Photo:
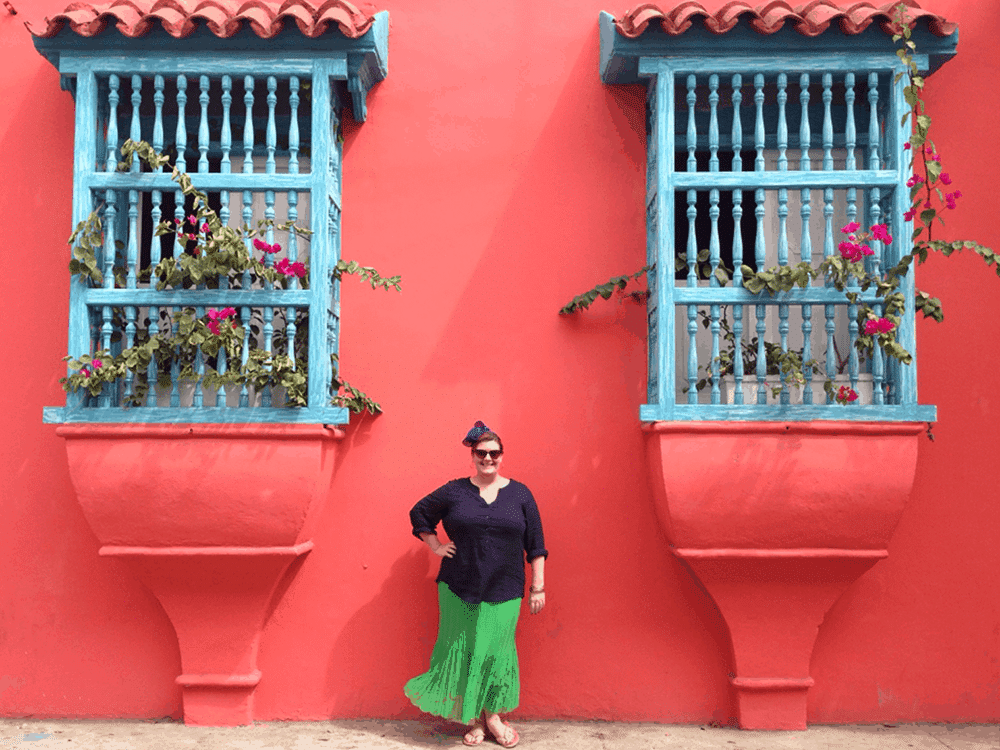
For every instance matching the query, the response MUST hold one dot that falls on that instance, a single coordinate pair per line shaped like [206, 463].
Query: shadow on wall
[381, 665]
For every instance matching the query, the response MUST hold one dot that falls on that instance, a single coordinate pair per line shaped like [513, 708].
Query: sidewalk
[43, 734]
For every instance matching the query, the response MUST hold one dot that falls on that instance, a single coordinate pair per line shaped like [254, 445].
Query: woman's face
[487, 457]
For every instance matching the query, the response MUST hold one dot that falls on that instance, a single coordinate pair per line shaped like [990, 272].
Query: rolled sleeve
[534, 539]
[428, 512]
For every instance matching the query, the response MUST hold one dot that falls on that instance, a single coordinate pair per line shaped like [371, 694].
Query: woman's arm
[536, 599]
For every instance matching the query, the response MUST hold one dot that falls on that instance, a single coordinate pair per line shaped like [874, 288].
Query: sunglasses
[483, 454]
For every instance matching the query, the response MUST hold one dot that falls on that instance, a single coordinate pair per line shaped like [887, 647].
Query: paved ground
[41, 734]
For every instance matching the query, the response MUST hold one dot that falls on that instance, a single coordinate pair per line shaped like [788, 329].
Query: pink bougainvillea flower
[290, 269]
[882, 325]
[265, 247]
[854, 251]
[881, 232]
[906, 146]
[213, 326]
[85, 372]
[936, 157]
[849, 250]
[914, 180]
[846, 394]
[193, 219]
[192, 236]
[908, 216]
[205, 227]
[96, 363]
[851, 228]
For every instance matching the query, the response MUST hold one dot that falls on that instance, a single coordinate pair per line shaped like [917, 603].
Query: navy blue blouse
[491, 539]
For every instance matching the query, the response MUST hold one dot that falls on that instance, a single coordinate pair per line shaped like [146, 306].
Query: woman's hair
[486, 436]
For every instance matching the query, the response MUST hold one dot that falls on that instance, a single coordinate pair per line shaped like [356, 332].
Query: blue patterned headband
[478, 430]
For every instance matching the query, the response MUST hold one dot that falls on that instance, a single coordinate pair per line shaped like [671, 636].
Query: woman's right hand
[445, 550]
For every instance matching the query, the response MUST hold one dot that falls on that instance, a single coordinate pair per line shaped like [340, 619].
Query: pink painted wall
[500, 177]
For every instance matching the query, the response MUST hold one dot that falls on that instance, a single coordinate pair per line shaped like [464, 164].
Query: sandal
[508, 743]
[475, 735]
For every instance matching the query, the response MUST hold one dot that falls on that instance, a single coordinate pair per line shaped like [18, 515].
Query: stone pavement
[372, 734]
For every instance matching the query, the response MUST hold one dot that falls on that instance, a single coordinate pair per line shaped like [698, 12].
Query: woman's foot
[475, 735]
[503, 733]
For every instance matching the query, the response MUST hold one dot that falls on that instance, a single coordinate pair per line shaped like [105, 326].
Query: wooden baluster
[875, 217]
[225, 167]
[692, 243]
[783, 216]
[692, 196]
[270, 143]
[737, 140]
[805, 243]
[850, 140]
[179, 216]
[226, 144]
[131, 251]
[293, 207]
[245, 313]
[760, 248]
[110, 220]
[714, 249]
[248, 142]
[829, 311]
[175, 370]
[156, 214]
[203, 85]
[198, 399]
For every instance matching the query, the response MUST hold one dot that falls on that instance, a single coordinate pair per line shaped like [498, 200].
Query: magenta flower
[945, 178]
[908, 216]
[882, 325]
[85, 372]
[192, 236]
[906, 146]
[846, 394]
[914, 180]
[850, 250]
[290, 269]
[217, 317]
[96, 362]
[266, 248]
[205, 227]
[193, 219]
[881, 232]
[851, 228]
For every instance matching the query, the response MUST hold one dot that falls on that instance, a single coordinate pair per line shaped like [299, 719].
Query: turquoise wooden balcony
[256, 124]
[760, 149]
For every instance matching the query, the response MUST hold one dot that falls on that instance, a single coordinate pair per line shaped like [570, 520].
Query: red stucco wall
[500, 177]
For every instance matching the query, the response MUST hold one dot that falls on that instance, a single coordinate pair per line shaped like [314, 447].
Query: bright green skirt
[474, 663]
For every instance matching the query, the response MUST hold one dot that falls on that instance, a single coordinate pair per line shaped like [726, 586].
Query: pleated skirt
[474, 662]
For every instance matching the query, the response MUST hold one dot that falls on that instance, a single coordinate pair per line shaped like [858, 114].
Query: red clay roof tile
[809, 19]
[223, 18]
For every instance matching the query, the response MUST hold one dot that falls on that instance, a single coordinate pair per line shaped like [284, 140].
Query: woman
[492, 523]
